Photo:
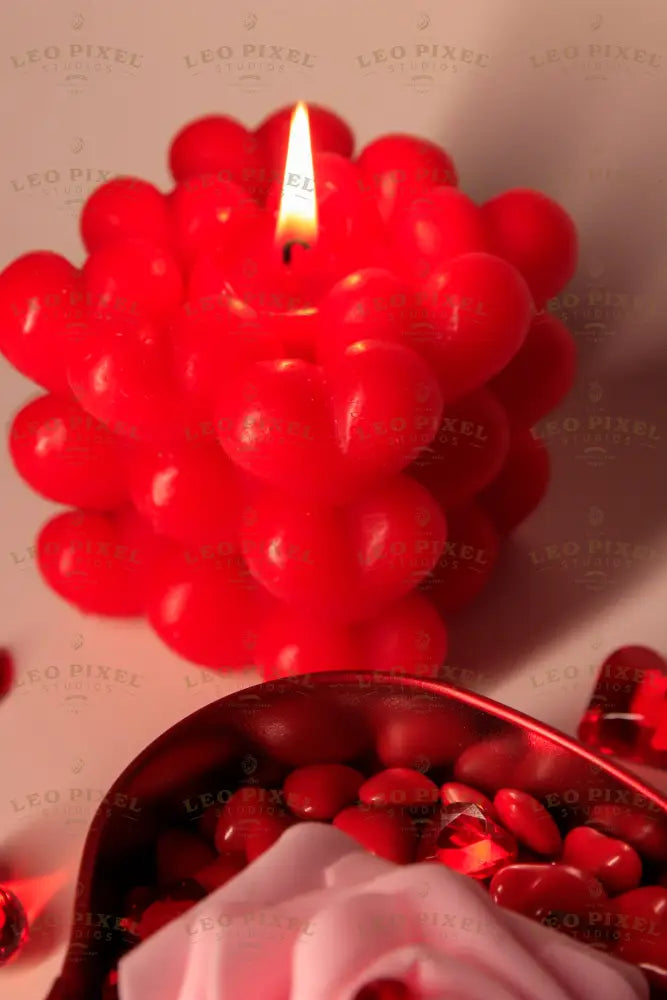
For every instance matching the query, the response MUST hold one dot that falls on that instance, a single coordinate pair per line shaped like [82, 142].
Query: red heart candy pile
[299, 462]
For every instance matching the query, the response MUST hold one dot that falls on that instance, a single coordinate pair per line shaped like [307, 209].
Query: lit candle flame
[297, 215]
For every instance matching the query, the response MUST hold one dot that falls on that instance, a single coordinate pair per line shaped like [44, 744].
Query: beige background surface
[567, 97]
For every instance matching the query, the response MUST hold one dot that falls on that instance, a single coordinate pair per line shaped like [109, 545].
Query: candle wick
[287, 249]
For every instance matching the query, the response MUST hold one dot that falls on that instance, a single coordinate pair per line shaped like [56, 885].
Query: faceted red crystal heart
[326, 434]
[465, 838]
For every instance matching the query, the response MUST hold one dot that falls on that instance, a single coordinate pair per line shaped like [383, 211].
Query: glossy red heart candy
[319, 791]
[388, 834]
[615, 863]
[327, 434]
[527, 819]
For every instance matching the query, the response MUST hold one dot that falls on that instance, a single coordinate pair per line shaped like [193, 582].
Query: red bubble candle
[289, 402]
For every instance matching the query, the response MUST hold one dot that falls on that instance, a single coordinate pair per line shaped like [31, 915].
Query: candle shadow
[583, 552]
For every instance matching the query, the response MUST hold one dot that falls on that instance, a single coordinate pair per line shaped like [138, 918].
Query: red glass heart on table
[627, 706]
[345, 562]
[326, 434]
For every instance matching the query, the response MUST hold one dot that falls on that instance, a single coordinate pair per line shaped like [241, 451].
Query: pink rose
[318, 918]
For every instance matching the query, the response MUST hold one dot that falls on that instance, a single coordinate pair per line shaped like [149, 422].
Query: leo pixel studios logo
[253, 63]
[76, 62]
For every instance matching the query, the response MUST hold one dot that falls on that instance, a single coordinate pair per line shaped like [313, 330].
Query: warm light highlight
[37, 892]
[297, 215]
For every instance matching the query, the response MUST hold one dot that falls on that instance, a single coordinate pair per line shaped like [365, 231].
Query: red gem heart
[326, 434]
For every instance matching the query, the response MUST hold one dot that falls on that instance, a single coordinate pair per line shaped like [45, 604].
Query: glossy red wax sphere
[537, 236]
[202, 607]
[126, 381]
[211, 340]
[189, 492]
[400, 168]
[328, 132]
[526, 818]
[124, 207]
[442, 223]
[291, 642]
[479, 308]
[615, 863]
[346, 563]
[327, 434]
[137, 271]
[540, 374]
[521, 483]
[468, 451]
[467, 561]
[385, 833]
[319, 791]
[399, 787]
[39, 294]
[98, 562]
[219, 145]
[206, 210]
[368, 304]
[67, 455]
[406, 637]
